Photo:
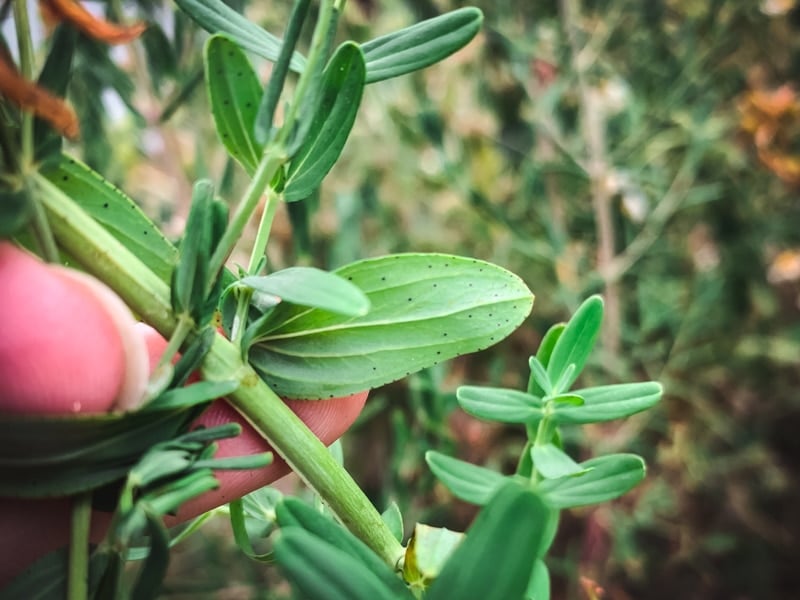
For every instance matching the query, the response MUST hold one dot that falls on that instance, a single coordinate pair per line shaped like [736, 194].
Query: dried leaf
[111, 33]
[29, 96]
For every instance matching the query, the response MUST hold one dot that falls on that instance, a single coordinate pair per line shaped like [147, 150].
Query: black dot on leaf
[410, 299]
[65, 178]
[383, 278]
[105, 204]
[444, 334]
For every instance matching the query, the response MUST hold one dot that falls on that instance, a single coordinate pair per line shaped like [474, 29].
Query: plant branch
[26, 58]
[105, 257]
[593, 126]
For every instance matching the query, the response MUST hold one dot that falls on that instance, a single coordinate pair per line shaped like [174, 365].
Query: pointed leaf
[552, 462]
[394, 520]
[426, 308]
[116, 212]
[313, 288]
[576, 342]
[427, 553]
[234, 93]
[539, 585]
[466, 481]
[499, 404]
[494, 561]
[342, 87]
[216, 17]
[543, 355]
[420, 45]
[608, 402]
[610, 477]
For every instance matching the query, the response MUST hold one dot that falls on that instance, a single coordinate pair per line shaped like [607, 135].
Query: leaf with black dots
[115, 211]
[425, 308]
[235, 94]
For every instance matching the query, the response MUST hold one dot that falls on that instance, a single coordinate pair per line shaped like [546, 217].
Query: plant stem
[105, 257]
[25, 44]
[184, 327]
[78, 582]
[264, 228]
[273, 159]
[593, 124]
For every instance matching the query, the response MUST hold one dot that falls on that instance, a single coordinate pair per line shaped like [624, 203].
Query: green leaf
[610, 477]
[234, 93]
[321, 571]
[552, 462]
[394, 520]
[466, 481]
[293, 513]
[311, 287]
[341, 92]
[543, 355]
[420, 45]
[216, 17]
[427, 553]
[608, 402]
[54, 76]
[576, 343]
[426, 308]
[499, 404]
[16, 210]
[116, 212]
[192, 395]
[495, 559]
[60, 456]
[539, 378]
[539, 585]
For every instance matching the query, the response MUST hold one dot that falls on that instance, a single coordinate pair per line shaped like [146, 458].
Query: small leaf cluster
[548, 403]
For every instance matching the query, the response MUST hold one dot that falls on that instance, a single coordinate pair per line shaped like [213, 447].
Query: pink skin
[67, 326]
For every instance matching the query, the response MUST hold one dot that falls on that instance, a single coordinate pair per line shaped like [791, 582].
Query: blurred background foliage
[645, 150]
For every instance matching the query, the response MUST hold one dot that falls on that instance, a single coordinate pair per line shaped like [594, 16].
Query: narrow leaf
[234, 93]
[427, 553]
[576, 342]
[552, 462]
[426, 308]
[216, 17]
[610, 477]
[499, 404]
[311, 287]
[341, 92]
[420, 45]
[539, 585]
[116, 212]
[495, 559]
[197, 393]
[543, 355]
[394, 520]
[608, 402]
[466, 481]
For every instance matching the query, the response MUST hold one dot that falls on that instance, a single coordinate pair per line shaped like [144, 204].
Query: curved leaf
[466, 481]
[575, 344]
[116, 212]
[608, 402]
[499, 404]
[342, 87]
[216, 17]
[234, 93]
[426, 308]
[420, 45]
[606, 477]
[311, 287]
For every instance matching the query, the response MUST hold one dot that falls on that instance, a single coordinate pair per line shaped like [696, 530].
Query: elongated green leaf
[608, 402]
[499, 404]
[216, 17]
[539, 585]
[116, 212]
[341, 92]
[321, 571]
[292, 512]
[426, 308]
[59, 456]
[54, 76]
[311, 287]
[197, 393]
[394, 520]
[495, 560]
[466, 481]
[576, 343]
[543, 355]
[553, 463]
[420, 45]
[234, 93]
[610, 477]
[427, 553]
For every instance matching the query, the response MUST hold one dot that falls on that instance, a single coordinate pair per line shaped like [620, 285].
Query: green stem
[41, 230]
[184, 327]
[264, 228]
[273, 159]
[26, 56]
[78, 582]
[105, 257]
